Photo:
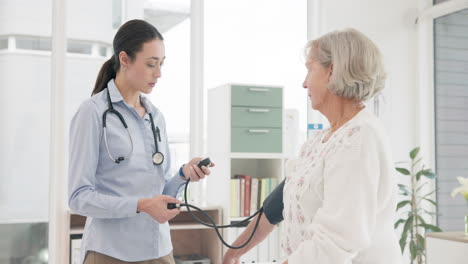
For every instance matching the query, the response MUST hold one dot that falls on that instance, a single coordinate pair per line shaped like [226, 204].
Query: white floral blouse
[340, 198]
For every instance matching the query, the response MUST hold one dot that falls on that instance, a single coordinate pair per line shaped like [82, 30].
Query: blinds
[451, 114]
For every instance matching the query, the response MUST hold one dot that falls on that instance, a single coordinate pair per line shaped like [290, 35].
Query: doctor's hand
[192, 171]
[156, 207]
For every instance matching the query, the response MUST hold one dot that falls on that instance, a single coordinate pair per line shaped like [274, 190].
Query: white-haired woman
[340, 194]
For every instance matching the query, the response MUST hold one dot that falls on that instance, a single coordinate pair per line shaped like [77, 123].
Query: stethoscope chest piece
[158, 158]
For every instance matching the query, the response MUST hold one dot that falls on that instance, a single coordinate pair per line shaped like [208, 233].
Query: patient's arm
[232, 256]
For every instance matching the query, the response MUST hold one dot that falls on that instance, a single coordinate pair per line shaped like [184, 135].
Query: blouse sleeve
[345, 223]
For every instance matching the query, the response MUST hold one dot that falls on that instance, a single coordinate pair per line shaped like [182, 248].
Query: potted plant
[412, 207]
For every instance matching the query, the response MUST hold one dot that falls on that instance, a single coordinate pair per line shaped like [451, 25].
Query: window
[451, 114]
[80, 47]
[33, 43]
[3, 43]
[103, 51]
[27, 243]
[439, 1]
[117, 16]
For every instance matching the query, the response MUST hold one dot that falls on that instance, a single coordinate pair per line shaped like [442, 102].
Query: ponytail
[106, 73]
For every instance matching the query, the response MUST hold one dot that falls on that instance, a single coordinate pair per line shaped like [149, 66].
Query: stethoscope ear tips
[119, 159]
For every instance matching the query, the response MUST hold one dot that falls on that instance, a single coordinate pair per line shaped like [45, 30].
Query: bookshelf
[188, 237]
[245, 137]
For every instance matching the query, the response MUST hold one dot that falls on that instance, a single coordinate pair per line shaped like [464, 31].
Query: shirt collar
[147, 105]
[114, 92]
[116, 96]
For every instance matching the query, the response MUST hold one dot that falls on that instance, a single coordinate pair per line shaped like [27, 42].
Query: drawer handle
[259, 131]
[259, 110]
[259, 89]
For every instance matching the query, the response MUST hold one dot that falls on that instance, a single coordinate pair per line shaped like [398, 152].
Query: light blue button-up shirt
[106, 192]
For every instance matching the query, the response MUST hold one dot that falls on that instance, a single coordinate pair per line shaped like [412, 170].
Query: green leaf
[414, 153]
[431, 201]
[402, 203]
[408, 225]
[429, 227]
[397, 223]
[427, 172]
[419, 188]
[429, 193]
[420, 242]
[417, 161]
[421, 219]
[430, 175]
[413, 250]
[403, 242]
[403, 171]
[430, 213]
[404, 190]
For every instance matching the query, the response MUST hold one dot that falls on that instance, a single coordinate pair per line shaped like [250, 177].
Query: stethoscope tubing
[213, 224]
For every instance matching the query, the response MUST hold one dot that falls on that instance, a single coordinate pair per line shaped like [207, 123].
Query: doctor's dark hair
[129, 38]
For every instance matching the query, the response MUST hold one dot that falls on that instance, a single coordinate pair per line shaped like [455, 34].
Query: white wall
[390, 24]
[86, 19]
[25, 111]
[26, 17]
[258, 42]
[24, 140]
[92, 20]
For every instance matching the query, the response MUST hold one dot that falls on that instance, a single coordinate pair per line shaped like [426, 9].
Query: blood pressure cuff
[273, 205]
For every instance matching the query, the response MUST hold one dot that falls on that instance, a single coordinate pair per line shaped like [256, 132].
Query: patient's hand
[230, 258]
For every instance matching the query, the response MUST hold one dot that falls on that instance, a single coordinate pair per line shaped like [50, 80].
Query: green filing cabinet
[256, 119]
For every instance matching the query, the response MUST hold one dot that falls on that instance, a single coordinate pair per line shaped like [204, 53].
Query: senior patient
[340, 194]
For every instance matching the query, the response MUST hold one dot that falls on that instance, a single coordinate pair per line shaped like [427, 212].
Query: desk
[447, 247]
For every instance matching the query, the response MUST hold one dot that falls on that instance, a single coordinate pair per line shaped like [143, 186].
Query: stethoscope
[158, 157]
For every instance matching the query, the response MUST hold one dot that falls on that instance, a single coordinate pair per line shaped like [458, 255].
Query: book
[245, 194]
[268, 187]
[242, 195]
[263, 193]
[253, 195]
[234, 198]
[273, 184]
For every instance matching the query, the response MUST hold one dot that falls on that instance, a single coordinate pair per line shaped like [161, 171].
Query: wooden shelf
[76, 230]
[188, 236]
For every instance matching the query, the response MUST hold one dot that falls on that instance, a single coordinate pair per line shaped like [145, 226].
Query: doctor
[119, 167]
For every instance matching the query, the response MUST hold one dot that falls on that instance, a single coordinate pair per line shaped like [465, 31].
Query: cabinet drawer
[256, 96]
[256, 139]
[256, 117]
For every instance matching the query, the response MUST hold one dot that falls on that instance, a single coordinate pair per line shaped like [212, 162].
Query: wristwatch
[181, 172]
